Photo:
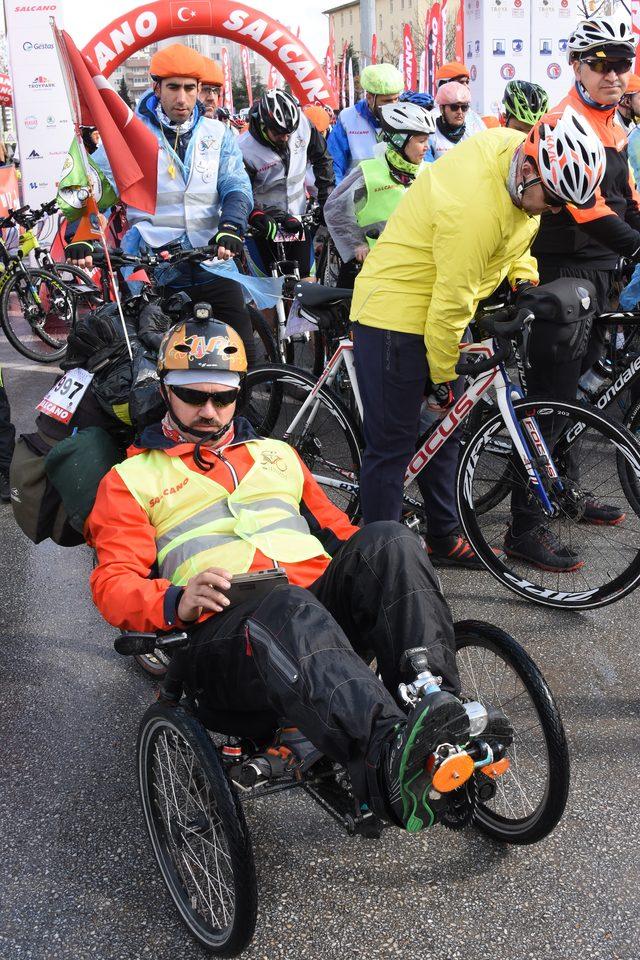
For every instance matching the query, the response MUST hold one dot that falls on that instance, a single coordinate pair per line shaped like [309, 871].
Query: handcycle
[197, 768]
[38, 305]
[603, 454]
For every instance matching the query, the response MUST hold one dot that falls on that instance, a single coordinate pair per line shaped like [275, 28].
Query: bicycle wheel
[197, 829]
[497, 483]
[37, 311]
[629, 477]
[326, 436]
[585, 455]
[155, 664]
[265, 344]
[531, 796]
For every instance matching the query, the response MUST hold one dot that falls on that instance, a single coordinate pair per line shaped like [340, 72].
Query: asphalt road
[78, 879]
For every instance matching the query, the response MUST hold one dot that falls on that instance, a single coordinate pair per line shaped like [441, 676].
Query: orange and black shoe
[454, 550]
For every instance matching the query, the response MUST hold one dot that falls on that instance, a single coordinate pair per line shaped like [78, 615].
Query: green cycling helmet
[382, 79]
[525, 101]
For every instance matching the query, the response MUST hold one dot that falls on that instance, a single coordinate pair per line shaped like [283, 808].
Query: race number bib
[63, 399]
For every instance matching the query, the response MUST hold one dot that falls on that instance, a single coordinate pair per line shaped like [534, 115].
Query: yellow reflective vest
[453, 238]
[199, 524]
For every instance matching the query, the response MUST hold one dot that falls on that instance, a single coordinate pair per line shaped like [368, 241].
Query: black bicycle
[198, 767]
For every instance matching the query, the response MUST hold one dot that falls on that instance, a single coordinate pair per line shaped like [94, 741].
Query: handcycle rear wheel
[531, 796]
[587, 454]
[197, 829]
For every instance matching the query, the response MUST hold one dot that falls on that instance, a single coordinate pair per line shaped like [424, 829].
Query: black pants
[393, 374]
[558, 381]
[7, 430]
[300, 652]
[227, 302]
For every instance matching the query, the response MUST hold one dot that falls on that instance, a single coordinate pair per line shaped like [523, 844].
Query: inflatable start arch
[220, 18]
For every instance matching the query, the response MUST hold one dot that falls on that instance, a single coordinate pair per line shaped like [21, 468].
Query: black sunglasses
[606, 66]
[459, 106]
[199, 398]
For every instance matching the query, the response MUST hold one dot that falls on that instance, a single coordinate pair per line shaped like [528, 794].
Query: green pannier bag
[36, 503]
[75, 467]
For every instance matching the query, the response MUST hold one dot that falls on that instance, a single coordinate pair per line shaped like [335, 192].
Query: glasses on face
[207, 91]
[199, 398]
[459, 106]
[606, 66]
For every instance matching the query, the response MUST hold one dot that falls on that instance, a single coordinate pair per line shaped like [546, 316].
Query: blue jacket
[338, 142]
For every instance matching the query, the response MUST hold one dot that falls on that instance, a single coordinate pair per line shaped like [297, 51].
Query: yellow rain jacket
[453, 238]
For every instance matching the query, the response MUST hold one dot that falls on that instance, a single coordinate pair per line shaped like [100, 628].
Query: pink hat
[452, 92]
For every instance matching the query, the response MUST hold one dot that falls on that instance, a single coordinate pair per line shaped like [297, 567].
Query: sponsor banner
[228, 86]
[409, 59]
[42, 114]
[374, 49]
[9, 193]
[160, 20]
[351, 84]
[246, 67]
[6, 93]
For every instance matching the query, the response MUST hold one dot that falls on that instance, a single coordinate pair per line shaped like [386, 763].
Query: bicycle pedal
[496, 769]
[452, 772]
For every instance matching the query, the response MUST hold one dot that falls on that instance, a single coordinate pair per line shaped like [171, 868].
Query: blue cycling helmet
[424, 100]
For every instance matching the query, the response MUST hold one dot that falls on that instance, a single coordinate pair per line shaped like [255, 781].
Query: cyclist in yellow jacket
[465, 225]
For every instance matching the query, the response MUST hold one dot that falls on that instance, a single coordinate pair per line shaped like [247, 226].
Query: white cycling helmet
[569, 156]
[279, 111]
[406, 117]
[601, 32]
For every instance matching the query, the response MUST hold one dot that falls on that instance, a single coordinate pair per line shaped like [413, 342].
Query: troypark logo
[41, 83]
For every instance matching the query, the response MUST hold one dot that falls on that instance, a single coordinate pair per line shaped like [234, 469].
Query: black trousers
[393, 375]
[558, 381]
[7, 430]
[298, 250]
[301, 653]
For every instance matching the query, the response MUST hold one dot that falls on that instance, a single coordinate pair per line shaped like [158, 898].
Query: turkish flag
[184, 16]
[131, 147]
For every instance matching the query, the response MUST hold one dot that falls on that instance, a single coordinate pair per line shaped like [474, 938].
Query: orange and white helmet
[569, 156]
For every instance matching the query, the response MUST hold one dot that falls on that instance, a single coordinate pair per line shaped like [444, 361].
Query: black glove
[78, 251]
[441, 397]
[520, 287]
[153, 323]
[290, 225]
[229, 236]
[263, 224]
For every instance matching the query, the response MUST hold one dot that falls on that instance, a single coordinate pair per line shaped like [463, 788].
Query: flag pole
[94, 216]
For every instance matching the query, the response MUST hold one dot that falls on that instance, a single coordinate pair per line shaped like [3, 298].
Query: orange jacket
[595, 236]
[123, 585]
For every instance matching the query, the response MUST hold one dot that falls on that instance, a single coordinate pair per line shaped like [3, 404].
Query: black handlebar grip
[468, 365]
[134, 644]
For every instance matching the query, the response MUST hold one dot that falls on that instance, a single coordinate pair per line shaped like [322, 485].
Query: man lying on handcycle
[201, 499]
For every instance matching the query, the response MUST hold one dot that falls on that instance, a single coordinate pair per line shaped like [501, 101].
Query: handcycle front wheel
[325, 435]
[197, 829]
[604, 558]
[531, 796]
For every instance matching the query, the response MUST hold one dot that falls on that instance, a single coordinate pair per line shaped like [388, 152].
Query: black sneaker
[541, 548]
[5, 487]
[454, 550]
[601, 514]
[438, 718]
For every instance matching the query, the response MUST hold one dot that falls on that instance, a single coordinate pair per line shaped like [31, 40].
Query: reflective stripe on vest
[199, 524]
[272, 187]
[382, 197]
[361, 135]
[192, 208]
